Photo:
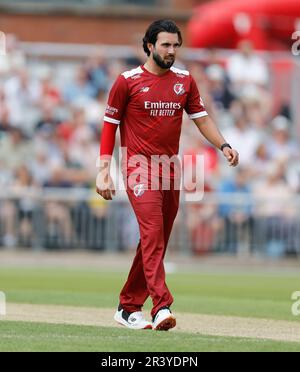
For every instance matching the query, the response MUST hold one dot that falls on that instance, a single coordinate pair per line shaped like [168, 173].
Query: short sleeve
[117, 101]
[194, 106]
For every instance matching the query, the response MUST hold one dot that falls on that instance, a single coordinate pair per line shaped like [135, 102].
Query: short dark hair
[162, 25]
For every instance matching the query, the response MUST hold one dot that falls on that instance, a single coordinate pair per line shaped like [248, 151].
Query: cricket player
[147, 104]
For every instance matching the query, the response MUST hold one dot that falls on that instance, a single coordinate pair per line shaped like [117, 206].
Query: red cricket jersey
[149, 110]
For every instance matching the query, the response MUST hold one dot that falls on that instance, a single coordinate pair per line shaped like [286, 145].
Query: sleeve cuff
[198, 115]
[110, 120]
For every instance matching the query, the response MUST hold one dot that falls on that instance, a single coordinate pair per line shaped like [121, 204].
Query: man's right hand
[104, 185]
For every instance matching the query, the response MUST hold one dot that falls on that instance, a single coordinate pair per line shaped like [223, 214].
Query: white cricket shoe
[163, 320]
[133, 320]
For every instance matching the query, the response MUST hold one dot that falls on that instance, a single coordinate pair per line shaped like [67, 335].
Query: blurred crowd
[51, 119]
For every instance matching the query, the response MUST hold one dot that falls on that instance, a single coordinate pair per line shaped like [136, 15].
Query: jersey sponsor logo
[139, 190]
[179, 89]
[162, 105]
[111, 110]
[161, 108]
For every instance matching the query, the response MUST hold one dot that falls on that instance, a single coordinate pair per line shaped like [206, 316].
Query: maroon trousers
[155, 211]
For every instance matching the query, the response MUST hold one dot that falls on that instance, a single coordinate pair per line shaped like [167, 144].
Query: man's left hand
[232, 156]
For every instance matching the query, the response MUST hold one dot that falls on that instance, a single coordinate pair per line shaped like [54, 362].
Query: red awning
[223, 23]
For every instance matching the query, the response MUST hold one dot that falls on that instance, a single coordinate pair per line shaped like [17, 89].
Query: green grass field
[22, 336]
[244, 295]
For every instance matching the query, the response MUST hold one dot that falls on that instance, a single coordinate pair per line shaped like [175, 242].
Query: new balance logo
[145, 90]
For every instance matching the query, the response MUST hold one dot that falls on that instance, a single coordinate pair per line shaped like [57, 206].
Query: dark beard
[161, 63]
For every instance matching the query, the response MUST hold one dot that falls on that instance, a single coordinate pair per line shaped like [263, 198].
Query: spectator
[80, 90]
[211, 162]
[15, 149]
[48, 119]
[280, 146]
[14, 58]
[49, 92]
[238, 216]
[22, 92]
[257, 104]
[25, 205]
[245, 138]
[57, 213]
[203, 225]
[8, 221]
[40, 166]
[261, 161]
[218, 87]
[275, 213]
[245, 67]
[97, 71]
[4, 115]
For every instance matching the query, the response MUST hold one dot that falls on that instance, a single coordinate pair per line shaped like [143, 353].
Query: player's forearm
[107, 145]
[210, 131]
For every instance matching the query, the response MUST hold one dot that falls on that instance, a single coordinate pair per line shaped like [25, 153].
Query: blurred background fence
[220, 224]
